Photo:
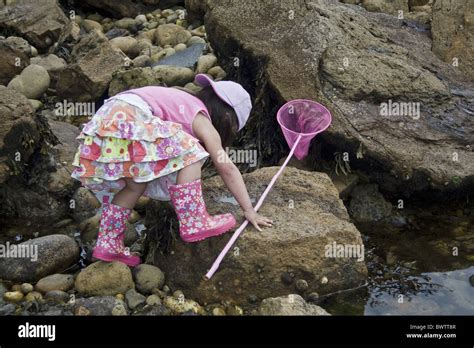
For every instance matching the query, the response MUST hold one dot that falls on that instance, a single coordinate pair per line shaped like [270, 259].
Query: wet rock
[33, 81]
[13, 296]
[182, 305]
[38, 21]
[289, 305]
[173, 75]
[100, 305]
[147, 278]
[63, 282]
[171, 34]
[185, 58]
[93, 61]
[134, 299]
[205, 63]
[453, 34]
[471, 280]
[13, 61]
[36, 104]
[116, 32]
[355, 79]
[85, 204]
[57, 296]
[368, 204]
[302, 228]
[104, 278]
[47, 255]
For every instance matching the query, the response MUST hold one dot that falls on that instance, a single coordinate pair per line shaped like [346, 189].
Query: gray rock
[289, 305]
[49, 254]
[86, 204]
[63, 282]
[94, 60]
[368, 204]
[134, 299]
[7, 309]
[41, 24]
[147, 278]
[13, 61]
[33, 81]
[317, 58]
[57, 296]
[205, 63]
[116, 32]
[100, 305]
[53, 65]
[186, 58]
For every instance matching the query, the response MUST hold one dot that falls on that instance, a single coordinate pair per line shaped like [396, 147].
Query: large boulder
[93, 61]
[359, 64]
[37, 258]
[17, 126]
[39, 21]
[308, 215]
[453, 33]
[13, 61]
[387, 6]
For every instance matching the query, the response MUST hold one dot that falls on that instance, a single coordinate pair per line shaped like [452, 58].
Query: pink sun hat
[231, 93]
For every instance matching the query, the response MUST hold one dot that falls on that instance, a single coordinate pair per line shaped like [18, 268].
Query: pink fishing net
[302, 118]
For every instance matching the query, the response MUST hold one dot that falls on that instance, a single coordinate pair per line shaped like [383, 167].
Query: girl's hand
[256, 219]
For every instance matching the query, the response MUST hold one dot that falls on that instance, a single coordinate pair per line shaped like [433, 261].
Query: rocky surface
[289, 305]
[307, 214]
[39, 257]
[314, 55]
[39, 21]
[453, 34]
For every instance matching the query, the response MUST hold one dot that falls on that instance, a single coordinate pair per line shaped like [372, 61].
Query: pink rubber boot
[110, 246]
[195, 223]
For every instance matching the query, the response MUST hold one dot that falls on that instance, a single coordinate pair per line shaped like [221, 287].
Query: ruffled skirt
[124, 141]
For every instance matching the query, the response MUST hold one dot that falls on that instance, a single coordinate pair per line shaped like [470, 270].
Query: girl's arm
[205, 132]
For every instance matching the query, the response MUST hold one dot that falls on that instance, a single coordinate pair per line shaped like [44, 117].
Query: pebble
[8, 309]
[33, 81]
[13, 296]
[147, 278]
[57, 296]
[62, 282]
[119, 309]
[33, 296]
[153, 300]
[286, 278]
[301, 285]
[324, 280]
[218, 311]
[134, 299]
[26, 288]
[16, 287]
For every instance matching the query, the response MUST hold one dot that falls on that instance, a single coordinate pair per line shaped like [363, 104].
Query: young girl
[147, 141]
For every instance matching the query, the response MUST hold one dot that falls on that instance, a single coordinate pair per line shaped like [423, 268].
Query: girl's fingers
[256, 226]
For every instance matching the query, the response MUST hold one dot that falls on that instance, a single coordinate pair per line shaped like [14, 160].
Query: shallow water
[423, 268]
